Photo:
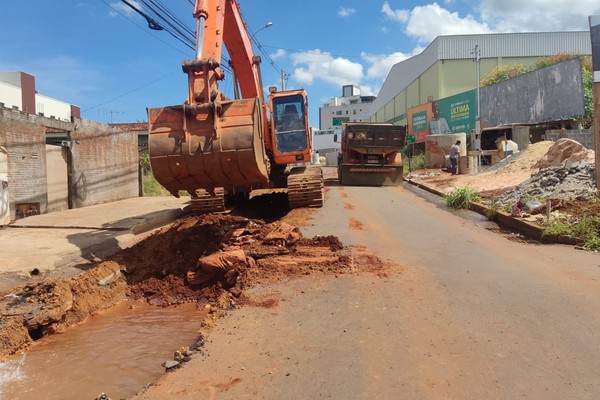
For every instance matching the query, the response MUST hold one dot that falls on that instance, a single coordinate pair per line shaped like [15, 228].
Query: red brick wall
[25, 141]
[104, 161]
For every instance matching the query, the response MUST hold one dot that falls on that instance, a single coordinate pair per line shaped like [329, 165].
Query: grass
[586, 229]
[417, 162]
[152, 187]
[461, 198]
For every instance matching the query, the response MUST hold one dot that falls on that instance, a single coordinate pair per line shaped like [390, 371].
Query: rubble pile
[567, 181]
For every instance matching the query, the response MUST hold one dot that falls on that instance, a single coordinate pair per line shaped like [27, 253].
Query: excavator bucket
[194, 147]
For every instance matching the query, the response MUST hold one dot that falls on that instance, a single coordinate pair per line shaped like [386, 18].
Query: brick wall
[104, 164]
[25, 141]
[104, 161]
[583, 136]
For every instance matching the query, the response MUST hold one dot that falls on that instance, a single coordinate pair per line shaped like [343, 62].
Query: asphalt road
[468, 313]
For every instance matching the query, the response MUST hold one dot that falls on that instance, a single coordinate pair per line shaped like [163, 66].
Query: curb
[525, 228]
[160, 219]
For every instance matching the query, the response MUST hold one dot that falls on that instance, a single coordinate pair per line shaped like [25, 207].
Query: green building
[448, 67]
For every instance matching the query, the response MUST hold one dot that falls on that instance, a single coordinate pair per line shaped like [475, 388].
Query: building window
[354, 112]
[338, 113]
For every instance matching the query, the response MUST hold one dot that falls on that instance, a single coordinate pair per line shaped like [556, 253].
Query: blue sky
[101, 56]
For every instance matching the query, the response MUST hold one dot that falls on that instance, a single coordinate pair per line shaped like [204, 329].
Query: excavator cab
[289, 125]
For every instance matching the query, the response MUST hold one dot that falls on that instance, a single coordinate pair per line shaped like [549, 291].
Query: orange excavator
[217, 148]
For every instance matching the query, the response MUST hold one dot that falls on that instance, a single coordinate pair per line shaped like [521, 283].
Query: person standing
[454, 154]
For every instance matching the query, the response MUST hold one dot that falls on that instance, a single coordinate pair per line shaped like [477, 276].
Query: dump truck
[217, 148]
[370, 154]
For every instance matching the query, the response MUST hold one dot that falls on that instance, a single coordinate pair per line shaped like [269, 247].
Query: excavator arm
[220, 22]
[210, 141]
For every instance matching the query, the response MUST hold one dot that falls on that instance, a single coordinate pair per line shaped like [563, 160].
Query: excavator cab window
[290, 129]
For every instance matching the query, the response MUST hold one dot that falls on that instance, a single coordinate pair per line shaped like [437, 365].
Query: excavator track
[305, 187]
[204, 203]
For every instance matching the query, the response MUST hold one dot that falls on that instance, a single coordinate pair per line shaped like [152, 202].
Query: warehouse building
[448, 67]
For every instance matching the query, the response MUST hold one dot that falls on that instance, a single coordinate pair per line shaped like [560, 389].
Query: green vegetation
[461, 198]
[503, 73]
[413, 158]
[417, 161]
[150, 186]
[586, 229]
[494, 207]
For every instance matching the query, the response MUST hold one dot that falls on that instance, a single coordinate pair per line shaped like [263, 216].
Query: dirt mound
[565, 150]
[496, 179]
[169, 267]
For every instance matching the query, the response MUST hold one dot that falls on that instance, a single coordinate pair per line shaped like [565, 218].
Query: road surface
[466, 313]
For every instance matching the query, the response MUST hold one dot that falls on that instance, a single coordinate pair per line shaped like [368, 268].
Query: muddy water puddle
[116, 352]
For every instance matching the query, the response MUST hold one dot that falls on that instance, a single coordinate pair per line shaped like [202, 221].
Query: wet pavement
[44, 244]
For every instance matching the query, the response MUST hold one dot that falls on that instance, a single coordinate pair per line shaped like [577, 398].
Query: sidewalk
[55, 243]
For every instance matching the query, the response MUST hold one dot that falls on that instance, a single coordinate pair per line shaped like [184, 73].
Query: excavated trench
[133, 300]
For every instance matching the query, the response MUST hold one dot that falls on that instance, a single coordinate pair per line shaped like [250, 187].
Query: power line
[140, 27]
[129, 92]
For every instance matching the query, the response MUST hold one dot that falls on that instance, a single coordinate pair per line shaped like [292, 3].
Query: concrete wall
[583, 136]
[11, 95]
[104, 164]
[52, 108]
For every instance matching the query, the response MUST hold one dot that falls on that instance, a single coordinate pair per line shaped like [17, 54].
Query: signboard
[460, 111]
[454, 114]
[595, 36]
[338, 121]
[418, 119]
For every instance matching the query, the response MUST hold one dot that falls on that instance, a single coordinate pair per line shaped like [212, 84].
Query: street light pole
[267, 25]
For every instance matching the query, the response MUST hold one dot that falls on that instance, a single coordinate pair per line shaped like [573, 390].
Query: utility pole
[595, 37]
[284, 77]
[478, 115]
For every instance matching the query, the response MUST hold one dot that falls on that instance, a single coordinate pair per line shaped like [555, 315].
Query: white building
[351, 107]
[17, 91]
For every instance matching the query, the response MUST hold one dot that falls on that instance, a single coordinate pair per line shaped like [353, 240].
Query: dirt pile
[565, 150]
[495, 179]
[208, 260]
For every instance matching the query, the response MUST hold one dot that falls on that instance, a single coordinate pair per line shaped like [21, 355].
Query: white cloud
[345, 12]
[123, 8]
[317, 65]
[395, 15]
[278, 54]
[368, 90]
[380, 65]
[429, 21]
[538, 15]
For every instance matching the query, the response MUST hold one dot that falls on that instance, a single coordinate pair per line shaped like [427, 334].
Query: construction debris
[208, 260]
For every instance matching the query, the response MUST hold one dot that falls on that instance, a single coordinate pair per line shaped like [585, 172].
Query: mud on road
[208, 260]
